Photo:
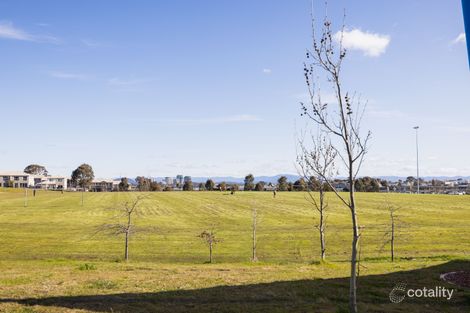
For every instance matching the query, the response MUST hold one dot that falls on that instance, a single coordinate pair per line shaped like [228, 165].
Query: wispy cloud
[267, 71]
[115, 81]
[371, 44]
[64, 75]
[8, 31]
[461, 38]
[243, 118]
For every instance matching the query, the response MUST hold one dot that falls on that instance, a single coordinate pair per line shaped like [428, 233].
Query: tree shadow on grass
[318, 295]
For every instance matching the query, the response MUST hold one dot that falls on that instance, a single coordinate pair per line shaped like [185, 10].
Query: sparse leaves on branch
[340, 121]
[210, 240]
[124, 222]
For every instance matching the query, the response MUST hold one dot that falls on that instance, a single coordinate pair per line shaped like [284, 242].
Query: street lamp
[417, 157]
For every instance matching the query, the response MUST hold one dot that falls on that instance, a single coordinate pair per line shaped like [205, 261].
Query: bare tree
[341, 121]
[126, 227]
[317, 165]
[393, 229]
[254, 226]
[210, 240]
[25, 197]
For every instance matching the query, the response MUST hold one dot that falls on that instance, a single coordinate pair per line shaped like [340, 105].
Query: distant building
[450, 183]
[168, 181]
[104, 185]
[341, 186]
[51, 183]
[187, 179]
[16, 180]
[179, 180]
[25, 180]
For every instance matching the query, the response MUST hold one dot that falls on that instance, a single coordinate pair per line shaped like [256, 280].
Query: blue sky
[209, 88]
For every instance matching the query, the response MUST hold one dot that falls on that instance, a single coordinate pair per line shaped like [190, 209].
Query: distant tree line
[369, 184]
[83, 175]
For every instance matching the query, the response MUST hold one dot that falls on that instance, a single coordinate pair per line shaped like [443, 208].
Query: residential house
[15, 179]
[100, 185]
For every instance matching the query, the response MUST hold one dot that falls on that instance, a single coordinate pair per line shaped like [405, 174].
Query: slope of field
[46, 244]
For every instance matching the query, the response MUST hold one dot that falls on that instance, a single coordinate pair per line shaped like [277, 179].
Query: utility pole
[417, 158]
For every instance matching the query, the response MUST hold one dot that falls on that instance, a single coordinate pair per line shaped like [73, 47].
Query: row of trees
[309, 183]
[123, 224]
[83, 175]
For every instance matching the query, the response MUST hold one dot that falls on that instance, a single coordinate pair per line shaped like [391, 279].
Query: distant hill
[427, 178]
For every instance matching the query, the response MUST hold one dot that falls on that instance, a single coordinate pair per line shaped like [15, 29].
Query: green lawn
[46, 245]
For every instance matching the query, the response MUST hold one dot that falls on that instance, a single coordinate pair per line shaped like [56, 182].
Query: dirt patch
[461, 279]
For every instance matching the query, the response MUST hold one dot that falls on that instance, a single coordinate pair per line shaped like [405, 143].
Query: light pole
[417, 158]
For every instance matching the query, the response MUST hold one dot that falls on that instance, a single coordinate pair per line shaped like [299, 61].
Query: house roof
[13, 173]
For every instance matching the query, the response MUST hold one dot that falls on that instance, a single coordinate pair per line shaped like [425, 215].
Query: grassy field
[52, 259]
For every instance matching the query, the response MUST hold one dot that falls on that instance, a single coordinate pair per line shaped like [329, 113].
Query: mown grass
[50, 250]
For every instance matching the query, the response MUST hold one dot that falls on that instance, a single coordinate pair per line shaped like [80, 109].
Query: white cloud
[267, 70]
[242, 118]
[8, 31]
[461, 38]
[63, 75]
[371, 44]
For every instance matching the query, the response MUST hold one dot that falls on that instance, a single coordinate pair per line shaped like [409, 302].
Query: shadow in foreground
[318, 295]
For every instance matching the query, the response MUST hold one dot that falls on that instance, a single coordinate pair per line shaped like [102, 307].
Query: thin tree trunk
[322, 225]
[254, 258]
[322, 244]
[210, 252]
[353, 279]
[355, 245]
[392, 241]
[128, 231]
[126, 251]
[25, 197]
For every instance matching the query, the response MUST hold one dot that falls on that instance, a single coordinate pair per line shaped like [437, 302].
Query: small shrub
[87, 267]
